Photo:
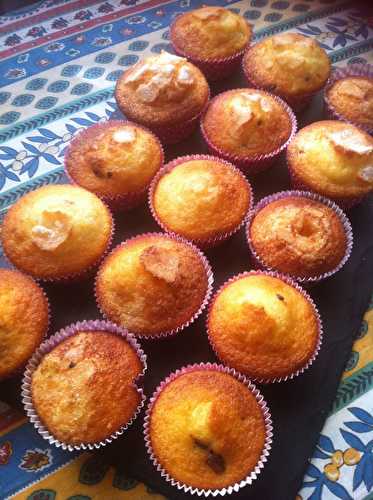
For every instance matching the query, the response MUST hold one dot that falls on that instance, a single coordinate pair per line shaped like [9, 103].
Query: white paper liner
[49, 345]
[311, 196]
[295, 285]
[207, 242]
[209, 276]
[267, 421]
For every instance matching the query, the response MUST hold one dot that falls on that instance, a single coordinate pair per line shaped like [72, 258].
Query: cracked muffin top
[263, 326]
[210, 33]
[51, 233]
[161, 90]
[298, 236]
[207, 429]
[152, 284]
[246, 122]
[23, 320]
[333, 158]
[80, 393]
[288, 64]
[114, 158]
[201, 198]
[352, 98]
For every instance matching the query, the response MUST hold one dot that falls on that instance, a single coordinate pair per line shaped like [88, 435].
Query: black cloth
[299, 407]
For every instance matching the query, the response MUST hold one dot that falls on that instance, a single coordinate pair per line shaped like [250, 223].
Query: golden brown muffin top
[352, 98]
[201, 198]
[23, 320]
[114, 158]
[289, 64]
[247, 122]
[262, 326]
[207, 430]
[210, 33]
[161, 90]
[84, 389]
[333, 158]
[151, 284]
[298, 236]
[52, 232]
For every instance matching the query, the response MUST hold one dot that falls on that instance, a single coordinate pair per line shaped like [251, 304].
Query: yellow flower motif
[331, 471]
[337, 458]
[351, 456]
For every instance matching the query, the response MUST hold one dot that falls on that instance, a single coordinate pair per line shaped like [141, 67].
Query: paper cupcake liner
[365, 70]
[213, 69]
[255, 163]
[115, 201]
[50, 344]
[194, 316]
[259, 263]
[267, 421]
[298, 184]
[297, 103]
[71, 277]
[207, 242]
[18, 371]
[295, 285]
[173, 132]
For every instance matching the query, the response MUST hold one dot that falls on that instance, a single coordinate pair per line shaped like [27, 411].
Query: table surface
[59, 62]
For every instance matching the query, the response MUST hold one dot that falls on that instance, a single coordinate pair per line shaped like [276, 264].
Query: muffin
[334, 159]
[154, 284]
[265, 326]
[249, 127]
[165, 93]
[290, 65]
[80, 387]
[57, 232]
[300, 234]
[116, 160]
[349, 96]
[201, 198]
[208, 428]
[213, 38]
[23, 322]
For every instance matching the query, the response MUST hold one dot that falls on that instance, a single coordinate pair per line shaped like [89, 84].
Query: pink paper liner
[20, 369]
[298, 184]
[49, 345]
[72, 277]
[295, 285]
[298, 103]
[202, 243]
[116, 202]
[213, 69]
[259, 263]
[259, 162]
[365, 70]
[209, 276]
[267, 421]
[170, 133]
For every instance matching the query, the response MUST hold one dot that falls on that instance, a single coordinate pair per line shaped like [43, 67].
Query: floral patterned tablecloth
[59, 61]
